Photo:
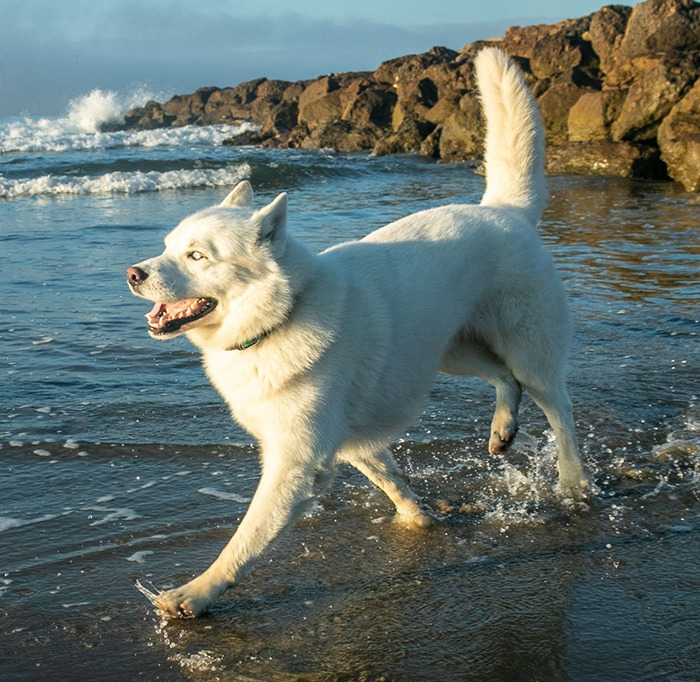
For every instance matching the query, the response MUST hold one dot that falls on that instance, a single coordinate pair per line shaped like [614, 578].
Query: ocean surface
[118, 460]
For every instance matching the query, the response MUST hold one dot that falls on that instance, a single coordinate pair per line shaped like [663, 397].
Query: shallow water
[119, 461]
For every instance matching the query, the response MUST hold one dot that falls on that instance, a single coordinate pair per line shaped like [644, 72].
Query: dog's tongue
[156, 310]
[162, 313]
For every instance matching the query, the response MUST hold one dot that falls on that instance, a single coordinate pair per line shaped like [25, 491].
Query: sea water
[118, 460]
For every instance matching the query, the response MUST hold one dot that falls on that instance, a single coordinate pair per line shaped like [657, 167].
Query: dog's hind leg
[380, 467]
[475, 360]
[556, 405]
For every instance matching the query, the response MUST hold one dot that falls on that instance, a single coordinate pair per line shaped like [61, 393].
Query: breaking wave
[90, 113]
[81, 129]
[78, 153]
[123, 182]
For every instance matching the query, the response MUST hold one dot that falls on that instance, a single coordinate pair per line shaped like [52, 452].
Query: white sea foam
[89, 112]
[139, 557]
[221, 495]
[7, 522]
[119, 514]
[60, 135]
[121, 182]
[80, 128]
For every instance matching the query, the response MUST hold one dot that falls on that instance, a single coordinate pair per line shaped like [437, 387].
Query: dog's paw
[178, 603]
[414, 519]
[502, 438]
[189, 601]
[578, 490]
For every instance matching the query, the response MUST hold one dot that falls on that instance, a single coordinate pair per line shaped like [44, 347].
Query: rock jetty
[618, 91]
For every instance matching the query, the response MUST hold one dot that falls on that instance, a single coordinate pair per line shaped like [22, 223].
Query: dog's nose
[135, 275]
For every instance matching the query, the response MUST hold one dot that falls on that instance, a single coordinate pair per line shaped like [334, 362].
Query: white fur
[355, 336]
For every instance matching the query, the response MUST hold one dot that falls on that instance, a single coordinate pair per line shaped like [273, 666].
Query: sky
[52, 51]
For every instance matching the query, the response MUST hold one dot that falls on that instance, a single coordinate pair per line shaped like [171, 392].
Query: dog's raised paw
[502, 439]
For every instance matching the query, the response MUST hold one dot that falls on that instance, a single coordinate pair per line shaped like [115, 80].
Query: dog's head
[221, 276]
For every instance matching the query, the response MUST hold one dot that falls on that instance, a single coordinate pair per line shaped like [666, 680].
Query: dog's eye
[195, 255]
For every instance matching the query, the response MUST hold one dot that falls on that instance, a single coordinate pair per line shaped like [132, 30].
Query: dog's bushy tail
[514, 154]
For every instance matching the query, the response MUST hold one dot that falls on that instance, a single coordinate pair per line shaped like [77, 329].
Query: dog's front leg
[285, 489]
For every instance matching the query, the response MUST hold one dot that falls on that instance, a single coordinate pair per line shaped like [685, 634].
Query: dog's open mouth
[166, 318]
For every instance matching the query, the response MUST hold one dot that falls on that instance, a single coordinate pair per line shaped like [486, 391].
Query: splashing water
[47, 156]
[83, 128]
[89, 113]
[124, 183]
[80, 128]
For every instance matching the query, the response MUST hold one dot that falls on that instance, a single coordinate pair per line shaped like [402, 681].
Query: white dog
[324, 358]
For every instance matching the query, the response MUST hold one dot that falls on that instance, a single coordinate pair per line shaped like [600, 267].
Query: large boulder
[623, 159]
[343, 136]
[270, 108]
[317, 89]
[281, 117]
[320, 101]
[554, 50]
[554, 106]
[365, 102]
[147, 117]
[442, 110]
[349, 96]
[187, 109]
[662, 26]
[430, 146]
[226, 104]
[289, 139]
[419, 81]
[591, 116]
[659, 83]
[586, 122]
[606, 31]
[462, 134]
[403, 73]
[321, 110]
[408, 138]
[253, 100]
[679, 140]
[246, 138]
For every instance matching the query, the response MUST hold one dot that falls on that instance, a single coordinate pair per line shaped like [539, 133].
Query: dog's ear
[240, 197]
[273, 221]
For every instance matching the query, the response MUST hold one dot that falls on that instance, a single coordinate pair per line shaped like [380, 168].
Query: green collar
[249, 343]
[257, 339]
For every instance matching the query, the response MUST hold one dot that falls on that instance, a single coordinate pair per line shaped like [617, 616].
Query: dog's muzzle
[135, 275]
[169, 317]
